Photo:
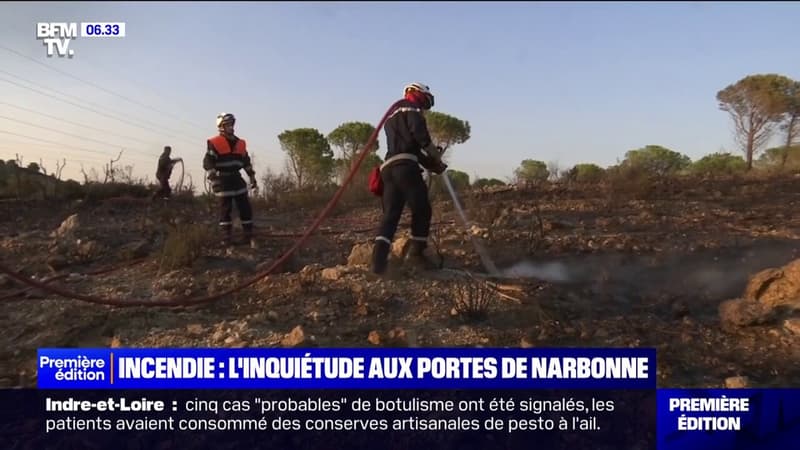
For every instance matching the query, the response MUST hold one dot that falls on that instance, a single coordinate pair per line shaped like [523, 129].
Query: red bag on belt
[375, 181]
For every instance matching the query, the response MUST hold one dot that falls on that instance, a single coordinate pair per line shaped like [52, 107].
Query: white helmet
[422, 89]
[225, 118]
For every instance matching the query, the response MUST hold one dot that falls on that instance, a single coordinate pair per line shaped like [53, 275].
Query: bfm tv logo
[57, 36]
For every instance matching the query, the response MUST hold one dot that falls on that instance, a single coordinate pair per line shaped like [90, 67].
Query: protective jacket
[407, 135]
[224, 159]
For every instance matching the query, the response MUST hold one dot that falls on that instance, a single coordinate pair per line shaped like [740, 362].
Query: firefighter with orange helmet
[225, 157]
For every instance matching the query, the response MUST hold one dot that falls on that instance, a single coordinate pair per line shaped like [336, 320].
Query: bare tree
[17, 173]
[109, 169]
[57, 175]
[126, 174]
[190, 185]
[85, 175]
[60, 168]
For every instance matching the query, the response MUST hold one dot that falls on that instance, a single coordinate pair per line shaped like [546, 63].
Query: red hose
[183, 301]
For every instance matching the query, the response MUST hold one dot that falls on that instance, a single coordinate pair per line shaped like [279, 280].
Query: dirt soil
[594, 267]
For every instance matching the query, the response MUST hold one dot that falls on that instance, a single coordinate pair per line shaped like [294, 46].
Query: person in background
[409, 145]
[226, 155]
[164, 172]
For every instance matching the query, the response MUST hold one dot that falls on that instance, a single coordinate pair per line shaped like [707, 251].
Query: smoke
[555, 272]
[712, 274]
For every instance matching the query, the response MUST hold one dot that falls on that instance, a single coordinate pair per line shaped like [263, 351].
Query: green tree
[481, 183]
[34, 166]
[310, 156]
[585, 173]
[787, 158]
[446, 130]
[755, 103]
[458, 179]
[792, 110]
[719, 163]
[531, 171]
[349, 139]
[655, 160]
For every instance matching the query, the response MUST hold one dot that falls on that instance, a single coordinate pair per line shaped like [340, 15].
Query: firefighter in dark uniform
[409, 145]
[164, 171]
[225, 157]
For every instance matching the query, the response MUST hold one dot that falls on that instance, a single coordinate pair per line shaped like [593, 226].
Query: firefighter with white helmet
[409, 146]
[225, 157]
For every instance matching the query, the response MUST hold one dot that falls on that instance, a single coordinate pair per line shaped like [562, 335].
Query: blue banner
[331, 368]
[728, 419]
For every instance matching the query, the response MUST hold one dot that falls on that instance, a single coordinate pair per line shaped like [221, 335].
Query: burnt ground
[621, 266]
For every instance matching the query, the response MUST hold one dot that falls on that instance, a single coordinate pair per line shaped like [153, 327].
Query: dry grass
[472, 298]
[183, 245]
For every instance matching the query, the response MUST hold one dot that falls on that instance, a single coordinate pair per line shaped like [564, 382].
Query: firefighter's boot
[380, 256]
[415, 257]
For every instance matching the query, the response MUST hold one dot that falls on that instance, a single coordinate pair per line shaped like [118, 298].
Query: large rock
[777, 286]
[792, 326]
[332, 273]
[745, 312]
[294, 338]
[68, 227]
[360, 255]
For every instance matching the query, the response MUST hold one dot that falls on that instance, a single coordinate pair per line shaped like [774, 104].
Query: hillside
[597, 265]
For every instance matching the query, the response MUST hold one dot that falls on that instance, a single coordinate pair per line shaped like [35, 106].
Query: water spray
[487, 261]
[552, 272]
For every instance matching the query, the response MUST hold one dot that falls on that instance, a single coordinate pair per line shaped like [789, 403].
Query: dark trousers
[403, 184]
[164, 189]
[245, 213]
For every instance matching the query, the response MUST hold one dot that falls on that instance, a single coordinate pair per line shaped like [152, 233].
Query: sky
[563, 83]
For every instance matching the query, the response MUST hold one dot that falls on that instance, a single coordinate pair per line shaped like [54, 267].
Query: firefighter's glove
[438, 167]
[433, 151]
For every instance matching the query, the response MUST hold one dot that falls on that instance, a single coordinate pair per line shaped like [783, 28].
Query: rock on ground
[68, 227]
[332, 273]
[374, 338]
[360, 255]
[737, 382]
[743, 312]
[776, 286]
[792, 326]
[400, 246]
[294, 337]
